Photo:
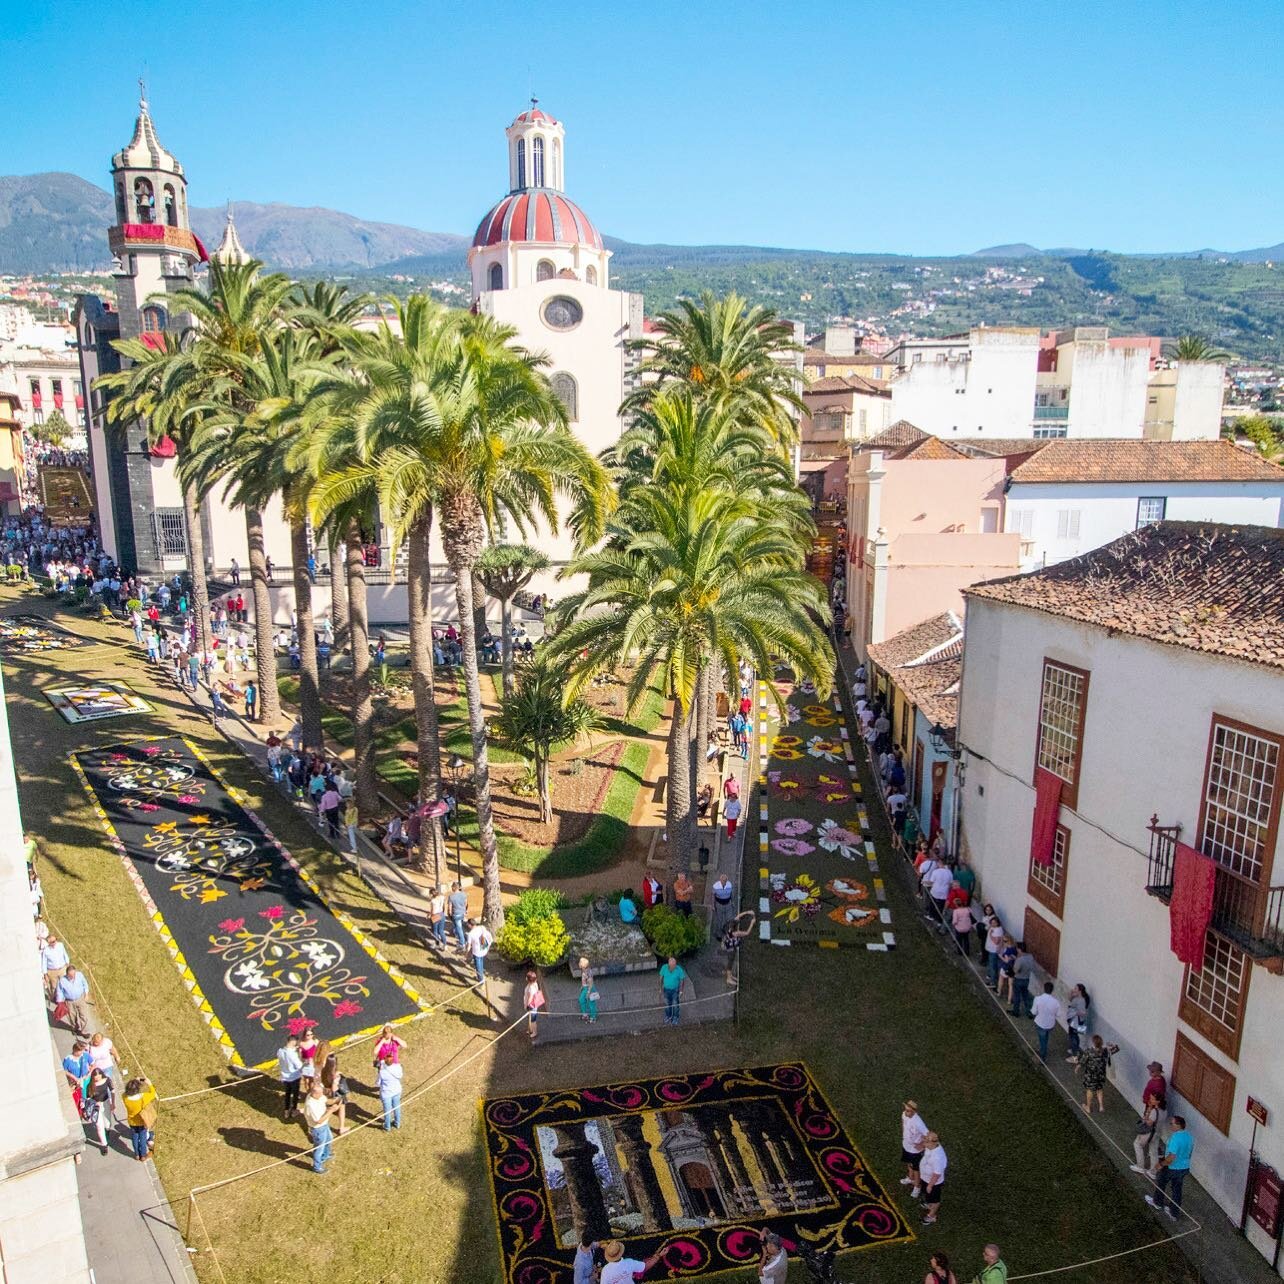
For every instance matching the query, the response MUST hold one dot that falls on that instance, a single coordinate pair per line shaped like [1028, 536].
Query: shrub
[533, 904]
[134, 604]
[672, 933]
[14, 571]
[542, 942]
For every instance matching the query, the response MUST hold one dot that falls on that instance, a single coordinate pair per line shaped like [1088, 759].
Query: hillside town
[504, 780]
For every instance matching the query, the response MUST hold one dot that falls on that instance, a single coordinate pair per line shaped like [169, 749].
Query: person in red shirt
[746, 705]
[957, 896]
[240, 607]
[652, 891]
[1156, 1085]
[731, 787]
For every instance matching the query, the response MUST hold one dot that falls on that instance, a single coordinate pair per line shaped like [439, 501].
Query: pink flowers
[347, 1008]
[792, 827]
[188, 798]
[149, 807]
[792, 846]
[151, 750]
[297, 1025]
[273, 912]
[231, 925]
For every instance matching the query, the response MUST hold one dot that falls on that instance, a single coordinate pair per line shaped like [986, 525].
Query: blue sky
[931, 127]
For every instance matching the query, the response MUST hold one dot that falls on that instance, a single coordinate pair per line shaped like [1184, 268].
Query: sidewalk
[1208, 1238]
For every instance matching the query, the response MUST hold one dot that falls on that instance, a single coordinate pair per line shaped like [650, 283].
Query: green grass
[644, 721]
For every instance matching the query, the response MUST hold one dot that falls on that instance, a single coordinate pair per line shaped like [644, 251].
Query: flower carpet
[819, 876]
[693, 1167]
[90, 702]
[258, 949]
[35, 633]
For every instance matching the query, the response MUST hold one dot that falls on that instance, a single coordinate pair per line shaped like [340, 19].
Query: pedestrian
[731, 787]
[317, 1112]
[388, 1081]
[72, 995]
[628, 908]
[102, 1055]
[939, 1272]
[1077, 1014]
[54, 960]
[98, 1098]
[1007, 960]
[682, 893]
[732, 937]
[939, 882]
[723, 892]
[271, 572]
[330, 804]
[77, 1066]
[588, 993]
[672, 979]
[335, 1085]
[533, 998]
[436, 911]
[140, 1113]
[1045, 1010]
[236, 571]
[1022, 973]
[220, 709]
[584, 1269]
[1093, 1061]
[389, 1045]
[619, 1269]
[994, 1271]
[773, 1261]
[479, 940]
[312, 567]
[458, 903]
[309, 1045]
[913, 1134]
[1146, 1127]
[251, 699]
[731, 813]
[1170, 1174]
[652, 891]
[931, 1169]
[350, 818]
[961, 921]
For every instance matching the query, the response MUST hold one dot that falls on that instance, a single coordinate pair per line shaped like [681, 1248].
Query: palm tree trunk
[506, 642]
[678, 798]
[339, 597]
[423, 676]
[367, 790]
[704, 712]
[479, 607]
[309, 677]
[545, 795]
[269, 704]
[462, 564]
[196, 566]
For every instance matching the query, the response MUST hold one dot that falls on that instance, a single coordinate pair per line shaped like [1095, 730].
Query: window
[864, 422]
[521, 162]
[171, 207]
[905, 721]
[567, 392]
[537, 156]
[1208, 1087]
[57, 387]
[1150, 508]
[1049, 434]
[562, 313]
[544, 270]
[153, 319]
[555, 174]
[144, 201]
[1062, 706]
[1043, 940]
[1021, 521]
[1212, 996]
[1240, 817]
[33, 386]
[122, 215]
[496, 277]
[1068, 523]
[1048, 882]
[590, 274]
[171, 532]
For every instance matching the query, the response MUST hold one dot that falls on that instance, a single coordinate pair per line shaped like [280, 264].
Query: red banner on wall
[1191, 908]
[1047, 807]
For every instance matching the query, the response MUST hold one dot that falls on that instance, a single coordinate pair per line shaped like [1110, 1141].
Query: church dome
[539, 215]
[534, 117]
[144, 150]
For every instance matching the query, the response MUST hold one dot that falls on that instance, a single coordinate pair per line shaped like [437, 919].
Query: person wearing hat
[620, 1269]
[774, 1261]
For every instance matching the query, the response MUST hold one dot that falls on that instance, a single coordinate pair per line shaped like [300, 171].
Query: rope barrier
[728, 993]
[1110, 1257]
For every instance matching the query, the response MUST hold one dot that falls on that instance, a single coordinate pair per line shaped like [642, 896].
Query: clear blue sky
[933, 127]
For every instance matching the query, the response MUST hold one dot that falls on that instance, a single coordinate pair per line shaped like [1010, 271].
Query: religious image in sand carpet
[255, 943]
[694, 1167]
[90, 702]
[820, 882]
[33, 633]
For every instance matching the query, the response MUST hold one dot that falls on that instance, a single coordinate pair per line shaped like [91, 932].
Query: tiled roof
[1204, 586]
[819, 357]
[848, 383]
[999, 447]
[1071, 460]
[926, 663]
[928, 448]
[901, 433]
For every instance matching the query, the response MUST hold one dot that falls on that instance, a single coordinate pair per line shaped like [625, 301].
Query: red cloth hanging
[1191, 908]
[1047, 807]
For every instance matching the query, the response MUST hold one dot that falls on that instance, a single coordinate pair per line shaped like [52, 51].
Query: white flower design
[828, 750]
[834, 838]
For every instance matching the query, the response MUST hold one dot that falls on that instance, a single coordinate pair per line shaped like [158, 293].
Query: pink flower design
[151, 750]
[793, 827]
[773, 777]
[188, 798]
[347, 1008]
[231, 924]
[273, 912]
[119, 757]
[149, 807]
[792, 847]
[297, 1025]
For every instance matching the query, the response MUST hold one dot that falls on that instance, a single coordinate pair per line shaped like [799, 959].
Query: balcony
[1247, 914]
[1043, 413]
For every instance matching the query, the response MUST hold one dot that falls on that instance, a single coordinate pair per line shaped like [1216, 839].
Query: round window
[562, 313]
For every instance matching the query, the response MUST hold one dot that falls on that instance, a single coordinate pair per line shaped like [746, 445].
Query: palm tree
[1194, 347]
[504, 570]
[534, 718]
[157, 387]
[726, 353]
[689, 575]
[233, 320]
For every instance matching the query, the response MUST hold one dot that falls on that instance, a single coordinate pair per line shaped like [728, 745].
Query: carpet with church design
[255, 943]
[693, 1167]
[819, 877]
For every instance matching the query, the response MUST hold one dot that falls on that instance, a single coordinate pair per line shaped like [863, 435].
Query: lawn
[415, 1206]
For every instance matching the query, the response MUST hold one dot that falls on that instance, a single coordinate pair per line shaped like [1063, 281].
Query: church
[537, 263]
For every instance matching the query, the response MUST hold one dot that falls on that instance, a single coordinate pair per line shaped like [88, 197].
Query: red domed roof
[537, 214]
[534, 117]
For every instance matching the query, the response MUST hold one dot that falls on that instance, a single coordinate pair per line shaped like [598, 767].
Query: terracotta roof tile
[901, 433]
[848, 383]
[1071, 460]
[1207, 587]
[929, 448]
[999, 447]
[926, 663]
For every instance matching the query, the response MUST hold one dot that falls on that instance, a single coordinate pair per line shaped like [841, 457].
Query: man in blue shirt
[1172, 1169]
[672, 978]
[73, 990]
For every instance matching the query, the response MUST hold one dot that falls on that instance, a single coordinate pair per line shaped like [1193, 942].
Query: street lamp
[941, 741]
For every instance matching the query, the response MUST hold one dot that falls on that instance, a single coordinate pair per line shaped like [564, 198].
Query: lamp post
[456, 766]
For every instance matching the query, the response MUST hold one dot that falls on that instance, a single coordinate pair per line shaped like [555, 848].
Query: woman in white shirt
[931, 1168]
[913, 1132]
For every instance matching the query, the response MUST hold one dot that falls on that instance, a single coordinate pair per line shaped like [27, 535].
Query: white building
[998, 382]
[1148, 676]
[38, 363]
[1072, 496]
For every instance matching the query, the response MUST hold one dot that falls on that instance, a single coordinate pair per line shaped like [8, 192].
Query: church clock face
[562, 313]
